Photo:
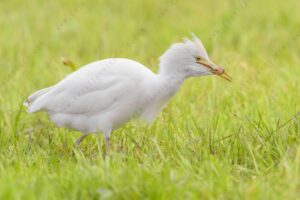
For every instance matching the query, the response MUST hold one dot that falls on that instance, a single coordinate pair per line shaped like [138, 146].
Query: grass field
[215, 139]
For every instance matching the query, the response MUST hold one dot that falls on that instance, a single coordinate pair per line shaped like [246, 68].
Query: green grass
[215, 140]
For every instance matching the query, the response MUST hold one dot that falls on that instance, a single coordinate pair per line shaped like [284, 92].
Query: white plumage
[103, 95]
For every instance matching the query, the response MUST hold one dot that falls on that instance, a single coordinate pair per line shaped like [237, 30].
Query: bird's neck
[169, 83]
[164, 87]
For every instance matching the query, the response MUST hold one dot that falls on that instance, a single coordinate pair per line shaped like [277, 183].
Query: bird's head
[191, 59]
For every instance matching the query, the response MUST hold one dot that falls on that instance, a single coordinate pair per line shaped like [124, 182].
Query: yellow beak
[215, 70]
[225, 76]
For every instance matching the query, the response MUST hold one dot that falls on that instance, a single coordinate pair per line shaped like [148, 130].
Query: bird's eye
[198, 58]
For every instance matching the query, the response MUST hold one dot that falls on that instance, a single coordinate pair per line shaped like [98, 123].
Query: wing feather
[86, 91]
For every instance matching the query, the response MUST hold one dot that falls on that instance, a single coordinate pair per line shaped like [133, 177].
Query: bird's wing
[87, 91]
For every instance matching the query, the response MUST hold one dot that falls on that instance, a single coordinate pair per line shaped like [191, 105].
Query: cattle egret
[103, 95]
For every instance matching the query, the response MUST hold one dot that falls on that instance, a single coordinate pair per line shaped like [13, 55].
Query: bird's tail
[29, 102]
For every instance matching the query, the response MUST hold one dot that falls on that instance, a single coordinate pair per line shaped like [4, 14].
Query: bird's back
[101, 94]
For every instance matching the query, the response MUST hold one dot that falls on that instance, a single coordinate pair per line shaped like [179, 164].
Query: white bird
[103, 95]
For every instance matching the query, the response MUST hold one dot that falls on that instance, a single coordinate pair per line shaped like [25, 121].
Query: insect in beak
[215, 69]
[225, 76]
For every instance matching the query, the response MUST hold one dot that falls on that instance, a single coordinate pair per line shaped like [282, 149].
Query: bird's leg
[79, 140]
[107, 143]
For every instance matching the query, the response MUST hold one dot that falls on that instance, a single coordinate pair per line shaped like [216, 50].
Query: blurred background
[257, 42]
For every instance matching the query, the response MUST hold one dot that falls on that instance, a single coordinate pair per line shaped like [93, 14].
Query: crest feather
[198, 44]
